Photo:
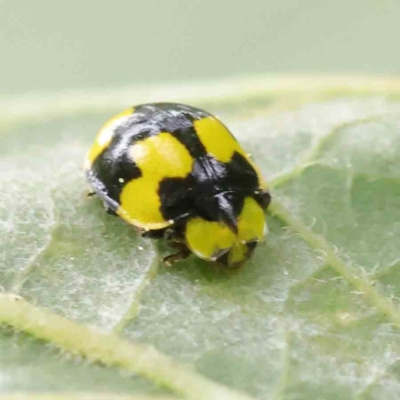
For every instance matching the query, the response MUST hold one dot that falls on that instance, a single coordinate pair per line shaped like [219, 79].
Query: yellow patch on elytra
[158, 157]
[207, 238]
[105, 135]
[251, 221]
[216, 138]
[220, 143]
[251, 227]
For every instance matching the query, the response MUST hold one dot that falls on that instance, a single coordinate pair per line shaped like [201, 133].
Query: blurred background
[48, 45]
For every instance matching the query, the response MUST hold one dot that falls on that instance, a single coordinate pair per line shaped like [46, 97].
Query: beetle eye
[252, 245]
[263, 198]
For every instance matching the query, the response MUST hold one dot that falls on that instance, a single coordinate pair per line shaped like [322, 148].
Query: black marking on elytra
[176, 119]
[165, 120]
[176, 195]
[188, 137]
[114, 168]
[133, 131]
[100, 189]
[241, 175]
[210, 174]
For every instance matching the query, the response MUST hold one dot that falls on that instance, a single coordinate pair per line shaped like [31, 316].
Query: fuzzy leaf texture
[87, 308]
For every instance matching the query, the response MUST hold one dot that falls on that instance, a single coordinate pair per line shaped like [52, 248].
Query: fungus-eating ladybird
[175, 171]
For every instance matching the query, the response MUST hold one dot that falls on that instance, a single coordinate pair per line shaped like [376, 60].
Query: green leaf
[315, 313]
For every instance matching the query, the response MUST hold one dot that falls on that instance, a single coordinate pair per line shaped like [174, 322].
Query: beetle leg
[182, 253]
[109, 210]
[155, 234]
[174, 236]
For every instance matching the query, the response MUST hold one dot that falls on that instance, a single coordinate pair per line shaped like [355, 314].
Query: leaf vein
[111, 350]
[22, 276]
[311, 157]
[134, 307]
[360, 282]
[362, 393]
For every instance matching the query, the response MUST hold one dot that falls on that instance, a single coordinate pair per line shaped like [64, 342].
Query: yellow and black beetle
[175, 171]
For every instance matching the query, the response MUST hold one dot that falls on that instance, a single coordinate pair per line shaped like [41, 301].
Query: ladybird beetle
[175, 171]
